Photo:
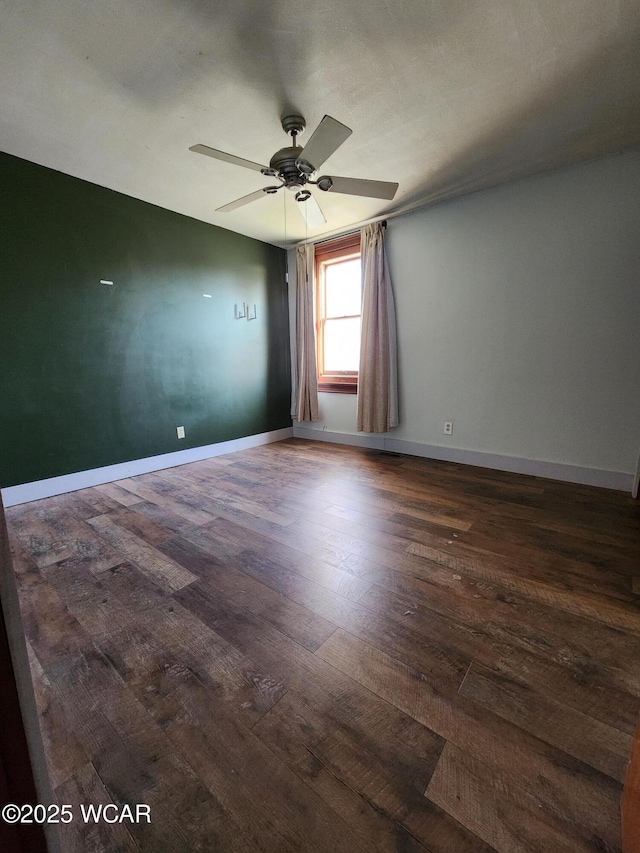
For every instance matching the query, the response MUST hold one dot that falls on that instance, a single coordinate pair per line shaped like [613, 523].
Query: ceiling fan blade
[325, 139]
[246, 199]
[356, 186]
[227, 158]
[311, 212]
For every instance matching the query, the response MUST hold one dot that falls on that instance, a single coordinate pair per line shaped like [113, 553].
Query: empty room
[320, 426]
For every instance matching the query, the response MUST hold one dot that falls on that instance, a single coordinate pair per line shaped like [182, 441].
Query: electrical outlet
[180, 431]
[448, 427]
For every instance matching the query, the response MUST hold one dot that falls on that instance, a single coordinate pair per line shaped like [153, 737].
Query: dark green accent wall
[92, 375]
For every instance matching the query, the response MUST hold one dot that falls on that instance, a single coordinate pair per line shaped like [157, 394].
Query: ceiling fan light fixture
[324, 183]
[305, 167]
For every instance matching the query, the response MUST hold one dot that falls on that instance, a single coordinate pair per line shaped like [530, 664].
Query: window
[338, 307]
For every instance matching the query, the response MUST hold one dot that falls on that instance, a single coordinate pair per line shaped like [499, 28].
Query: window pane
[342, 288]
[341, 345]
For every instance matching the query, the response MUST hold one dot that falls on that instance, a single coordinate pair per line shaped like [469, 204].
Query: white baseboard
[373, 442]
[27, 492]
[538, 468]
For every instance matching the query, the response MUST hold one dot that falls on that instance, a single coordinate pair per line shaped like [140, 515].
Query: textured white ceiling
[443, 96]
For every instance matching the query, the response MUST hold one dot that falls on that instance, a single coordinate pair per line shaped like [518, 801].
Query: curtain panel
[306, 405]
[378, 373]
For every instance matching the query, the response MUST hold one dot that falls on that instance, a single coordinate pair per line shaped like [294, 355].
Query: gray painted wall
[519, 318]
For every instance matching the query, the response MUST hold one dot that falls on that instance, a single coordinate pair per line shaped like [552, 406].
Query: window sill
[338, 387]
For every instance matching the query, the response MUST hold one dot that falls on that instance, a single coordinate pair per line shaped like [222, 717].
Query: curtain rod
[345, 234]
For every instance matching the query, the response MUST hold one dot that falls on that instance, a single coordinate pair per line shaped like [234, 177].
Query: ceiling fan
[295, 167]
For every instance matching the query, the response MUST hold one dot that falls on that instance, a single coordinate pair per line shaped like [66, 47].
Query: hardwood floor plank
[140, 525]
[511, 636]
[481, 510]
[55, 637]
[561, 540]
[65, 754]
[585, 795]
[431, 656]
[538, 564]
[391, 532]
[505, 816]
[167, 573]
[233, 495]
[350, 752]
[374, 829]
[135, 760]
[620, 615]
[272, 479]
[37, 538]
[164, 499]
[234, 676]
[335, 579]
[524, 563]
[131, 586]
[340, 762]
[86, 597]
[279, 534]
[81, 538]
[118, 494]
[199, 534]
[379, 521]
[254, 786]
[323, 687]
[99, 502]
[387, 503]
[597, 744]
[147, 666]
[163, 517]
[439, 831]
[297, 622]
[79, 836]
[70, 504]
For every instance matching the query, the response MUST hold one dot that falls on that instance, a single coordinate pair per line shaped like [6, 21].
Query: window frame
[332, 251]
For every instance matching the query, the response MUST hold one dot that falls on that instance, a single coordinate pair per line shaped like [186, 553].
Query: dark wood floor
[307, 647]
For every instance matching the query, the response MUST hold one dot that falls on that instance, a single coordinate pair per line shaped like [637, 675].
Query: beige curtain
[306, 408]
[378, 374]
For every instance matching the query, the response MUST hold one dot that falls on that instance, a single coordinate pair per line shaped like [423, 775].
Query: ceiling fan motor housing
[284, 163]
